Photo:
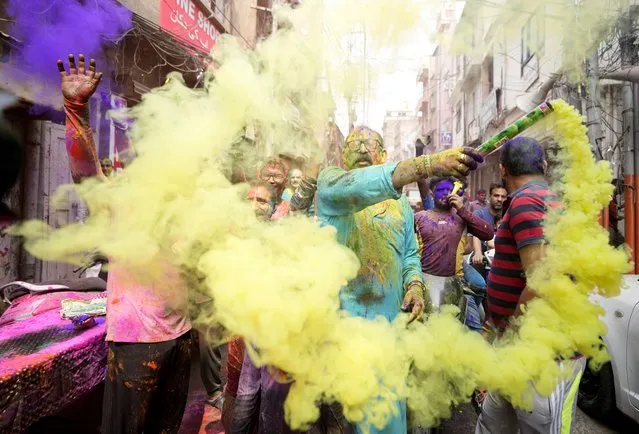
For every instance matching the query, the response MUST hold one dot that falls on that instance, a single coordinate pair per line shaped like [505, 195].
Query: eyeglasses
[275, 176]
[369, 144]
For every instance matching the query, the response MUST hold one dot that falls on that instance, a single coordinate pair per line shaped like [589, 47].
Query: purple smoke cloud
[52, 29]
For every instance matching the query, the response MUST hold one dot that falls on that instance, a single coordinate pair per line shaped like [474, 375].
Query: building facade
[400, 131]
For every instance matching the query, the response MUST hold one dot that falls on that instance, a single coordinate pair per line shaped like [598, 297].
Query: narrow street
[288, 203]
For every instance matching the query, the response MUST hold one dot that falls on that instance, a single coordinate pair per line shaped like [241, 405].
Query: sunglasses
[369, 144]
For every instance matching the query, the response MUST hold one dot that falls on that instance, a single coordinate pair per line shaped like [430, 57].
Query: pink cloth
[281, 210]
[45, 363]
[145, 313]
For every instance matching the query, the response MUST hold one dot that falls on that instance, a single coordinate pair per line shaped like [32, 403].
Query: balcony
[471, 71]
[220, 12]
[473, 131]
[488, 110]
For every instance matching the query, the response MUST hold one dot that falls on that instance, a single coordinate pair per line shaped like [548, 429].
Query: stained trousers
[146, 386]
[550, 415]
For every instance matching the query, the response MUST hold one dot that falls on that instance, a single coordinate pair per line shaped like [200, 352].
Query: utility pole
[351, 93]
[593, 105]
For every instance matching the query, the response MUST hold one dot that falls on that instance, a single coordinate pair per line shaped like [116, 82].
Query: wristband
[428, 170]
[423, 166]
[417, 287]
[419, 165]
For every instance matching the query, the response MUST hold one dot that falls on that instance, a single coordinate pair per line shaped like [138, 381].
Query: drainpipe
[631, 129]
[630, 178]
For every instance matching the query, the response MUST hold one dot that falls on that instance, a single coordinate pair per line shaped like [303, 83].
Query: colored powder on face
[442, 190]
[277, 285]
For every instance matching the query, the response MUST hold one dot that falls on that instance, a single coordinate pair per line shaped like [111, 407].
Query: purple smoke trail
[51, 29]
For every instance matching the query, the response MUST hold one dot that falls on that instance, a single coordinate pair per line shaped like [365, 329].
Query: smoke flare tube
[517, 127]
[457, 186]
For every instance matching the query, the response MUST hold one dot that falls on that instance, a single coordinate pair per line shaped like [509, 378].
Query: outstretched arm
[77, 87]
[342, 192]
[456, 162]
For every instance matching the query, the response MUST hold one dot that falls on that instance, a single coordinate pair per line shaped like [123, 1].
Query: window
[526, 51]
[532, 38]
[458, 119]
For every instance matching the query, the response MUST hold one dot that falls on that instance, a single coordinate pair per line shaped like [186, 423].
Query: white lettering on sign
[206, 26]
[187, 6]
[200, 31]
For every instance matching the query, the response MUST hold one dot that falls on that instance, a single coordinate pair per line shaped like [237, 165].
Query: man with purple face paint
[439, 231]
[371, 216]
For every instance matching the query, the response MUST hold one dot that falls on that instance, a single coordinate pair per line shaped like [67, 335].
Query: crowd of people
[409, 262]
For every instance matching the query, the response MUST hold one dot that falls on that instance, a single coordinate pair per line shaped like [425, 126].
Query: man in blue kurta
[372, 217]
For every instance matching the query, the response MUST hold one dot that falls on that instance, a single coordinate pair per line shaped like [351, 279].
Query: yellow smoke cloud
[277, 284]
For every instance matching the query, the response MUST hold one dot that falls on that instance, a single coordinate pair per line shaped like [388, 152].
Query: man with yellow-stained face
[372, 217]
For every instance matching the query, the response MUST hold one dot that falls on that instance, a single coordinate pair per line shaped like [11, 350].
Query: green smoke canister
[515, 128]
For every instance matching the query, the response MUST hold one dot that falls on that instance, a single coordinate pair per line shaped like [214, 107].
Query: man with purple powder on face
[439, 232]
[440, 229]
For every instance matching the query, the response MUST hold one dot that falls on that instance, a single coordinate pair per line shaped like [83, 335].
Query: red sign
[191, 25]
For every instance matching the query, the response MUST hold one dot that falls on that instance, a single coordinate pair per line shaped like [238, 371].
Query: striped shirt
[521, 226]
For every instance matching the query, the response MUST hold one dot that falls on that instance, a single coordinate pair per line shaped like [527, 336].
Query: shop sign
[189, 24]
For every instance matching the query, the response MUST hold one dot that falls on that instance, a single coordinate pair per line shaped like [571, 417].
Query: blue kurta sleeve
[341, 192]
[412, 267]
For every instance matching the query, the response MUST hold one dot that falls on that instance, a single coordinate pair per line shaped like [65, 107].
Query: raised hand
[455, 162]
[79, 84]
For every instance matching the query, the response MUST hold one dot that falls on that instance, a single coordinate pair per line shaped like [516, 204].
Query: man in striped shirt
[519, 247]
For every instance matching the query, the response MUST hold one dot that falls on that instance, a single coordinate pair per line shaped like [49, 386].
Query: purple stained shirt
[439, 234]
[260, 400]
